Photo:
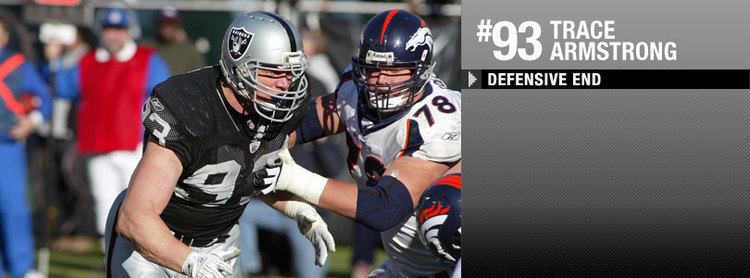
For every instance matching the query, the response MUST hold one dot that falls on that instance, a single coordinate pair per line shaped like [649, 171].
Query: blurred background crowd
[57, 147]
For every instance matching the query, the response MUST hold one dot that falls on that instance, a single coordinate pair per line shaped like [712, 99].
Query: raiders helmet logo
[421, 37]
[239, 42]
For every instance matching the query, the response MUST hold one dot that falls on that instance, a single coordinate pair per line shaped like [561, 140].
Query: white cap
[59, 32]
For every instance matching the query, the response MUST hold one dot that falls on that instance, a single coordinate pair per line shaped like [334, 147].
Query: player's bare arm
[416, 174]
[149, 192]
[455, 169]
[381, 206]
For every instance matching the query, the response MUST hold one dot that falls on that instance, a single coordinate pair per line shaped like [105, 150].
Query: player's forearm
[278, 200]
[339, 197]
[152, 239]
[379, 207]
[336, 196]
[286, 203]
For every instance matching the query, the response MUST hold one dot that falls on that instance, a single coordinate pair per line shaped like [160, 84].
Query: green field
[91, 264]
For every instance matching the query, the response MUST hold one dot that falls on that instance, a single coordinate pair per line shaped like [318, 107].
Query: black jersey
[189, 115]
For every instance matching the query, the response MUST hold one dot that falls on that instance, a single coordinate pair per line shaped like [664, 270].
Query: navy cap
[115, 18]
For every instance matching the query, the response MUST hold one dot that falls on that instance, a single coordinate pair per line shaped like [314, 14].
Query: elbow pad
[384, 205]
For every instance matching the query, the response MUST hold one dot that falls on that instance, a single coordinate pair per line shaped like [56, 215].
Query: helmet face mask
[269, 102]
[388, 98]
[279, 50]
[392, 40]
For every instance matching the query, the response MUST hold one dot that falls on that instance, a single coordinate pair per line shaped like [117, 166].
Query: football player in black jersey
[209, 132]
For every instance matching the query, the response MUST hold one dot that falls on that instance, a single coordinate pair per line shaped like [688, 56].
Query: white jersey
[431, 130]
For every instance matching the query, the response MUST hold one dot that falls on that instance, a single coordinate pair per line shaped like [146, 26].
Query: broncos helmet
[264, 41]
[394, 39]
[439, 218]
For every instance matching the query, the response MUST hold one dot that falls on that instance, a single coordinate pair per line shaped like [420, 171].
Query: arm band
[384, 205]
[309, 129]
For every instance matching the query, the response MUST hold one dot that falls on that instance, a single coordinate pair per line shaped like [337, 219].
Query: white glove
[291, 177]
[265, 179]
[217, 264]
[313, 227]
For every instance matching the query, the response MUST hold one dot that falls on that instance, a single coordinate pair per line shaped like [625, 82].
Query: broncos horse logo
[430, 221]
[421, 37]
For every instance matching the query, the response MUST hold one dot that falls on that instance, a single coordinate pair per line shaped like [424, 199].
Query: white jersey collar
[126, 53]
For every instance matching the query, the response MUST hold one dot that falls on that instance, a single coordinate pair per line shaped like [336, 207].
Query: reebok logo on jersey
[157, 104]
[451, 136]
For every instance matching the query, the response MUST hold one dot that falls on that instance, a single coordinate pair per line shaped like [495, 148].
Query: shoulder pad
[436, 124]
[346, 76]
[184, 97]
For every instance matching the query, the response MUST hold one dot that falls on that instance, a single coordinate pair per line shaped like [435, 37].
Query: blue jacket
[24, 79]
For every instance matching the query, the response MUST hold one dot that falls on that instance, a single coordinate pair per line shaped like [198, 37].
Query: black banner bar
[606, 79]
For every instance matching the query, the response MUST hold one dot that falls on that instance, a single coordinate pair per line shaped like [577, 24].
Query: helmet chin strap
[253, 123]
[244, 101]
[400, 102]
[427, 72]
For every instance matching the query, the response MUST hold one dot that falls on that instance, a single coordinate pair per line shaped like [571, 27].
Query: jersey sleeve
[34, 84]
[68, 83]
[439, 138]
[166, 125]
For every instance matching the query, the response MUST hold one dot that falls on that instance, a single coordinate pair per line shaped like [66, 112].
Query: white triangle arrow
[472, 79]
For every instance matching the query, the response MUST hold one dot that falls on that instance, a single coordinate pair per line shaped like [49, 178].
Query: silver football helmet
[265, 41]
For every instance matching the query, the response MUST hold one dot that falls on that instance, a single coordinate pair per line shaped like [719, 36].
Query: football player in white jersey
[403, 129]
